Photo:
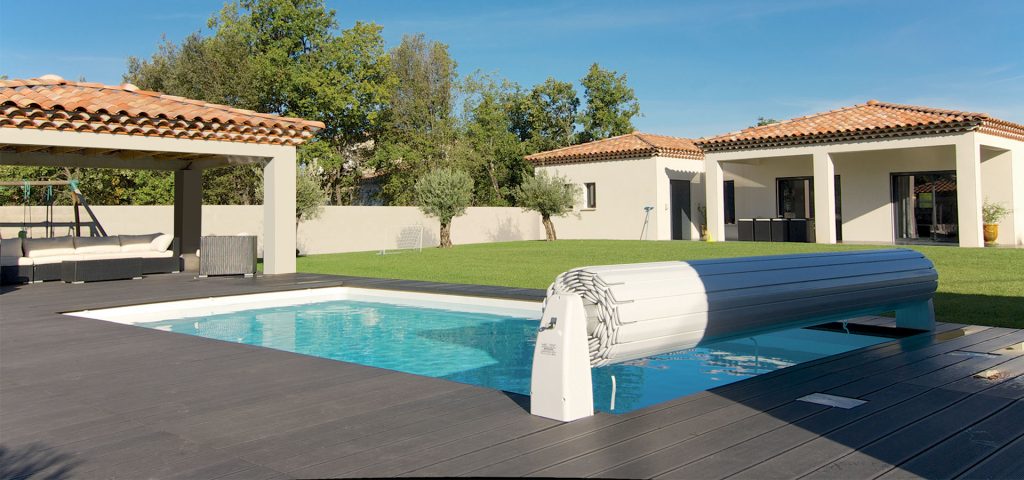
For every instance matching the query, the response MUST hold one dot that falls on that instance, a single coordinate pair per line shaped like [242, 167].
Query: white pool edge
[200, 307]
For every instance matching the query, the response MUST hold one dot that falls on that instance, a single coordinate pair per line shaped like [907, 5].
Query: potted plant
[991, 214]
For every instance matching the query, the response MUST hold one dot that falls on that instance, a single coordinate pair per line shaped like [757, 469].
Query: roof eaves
[840, 136]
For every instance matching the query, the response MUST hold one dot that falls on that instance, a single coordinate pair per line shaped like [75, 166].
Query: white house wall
[1002, 178]
[623, 189]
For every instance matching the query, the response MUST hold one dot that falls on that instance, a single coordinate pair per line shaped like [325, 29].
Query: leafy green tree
[611, 104]
[549, 195]
[283, 56]
[552, 112]
[487, 148]
[101, 186]
[233, 185]
[310, 196]
[419, 127]
[762, 121]
[444, 193]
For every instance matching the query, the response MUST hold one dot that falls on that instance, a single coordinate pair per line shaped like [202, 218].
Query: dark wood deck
[89, 399]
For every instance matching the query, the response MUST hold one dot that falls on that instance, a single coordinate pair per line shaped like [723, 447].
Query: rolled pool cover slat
[639, 310]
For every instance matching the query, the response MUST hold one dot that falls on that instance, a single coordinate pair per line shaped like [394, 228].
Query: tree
[487, 148]
[310, 196]
[444, 193]
[419, 128]
[762, 121]
[549, 195]
[611, 104]
[552, 112]
[283, 56]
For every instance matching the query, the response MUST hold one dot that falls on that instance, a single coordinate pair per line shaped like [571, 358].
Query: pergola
[49, 121]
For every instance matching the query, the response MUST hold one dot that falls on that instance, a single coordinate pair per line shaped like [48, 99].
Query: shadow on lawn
[988, 310]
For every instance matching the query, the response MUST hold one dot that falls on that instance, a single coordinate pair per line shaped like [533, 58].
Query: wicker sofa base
[77, 271]
[10, 275]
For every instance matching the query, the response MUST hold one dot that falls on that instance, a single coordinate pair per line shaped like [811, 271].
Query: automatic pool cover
[595, 316]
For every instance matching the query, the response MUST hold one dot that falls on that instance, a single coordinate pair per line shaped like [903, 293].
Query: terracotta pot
[991, 233]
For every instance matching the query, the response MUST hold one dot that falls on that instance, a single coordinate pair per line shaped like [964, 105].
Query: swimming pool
[482, 342]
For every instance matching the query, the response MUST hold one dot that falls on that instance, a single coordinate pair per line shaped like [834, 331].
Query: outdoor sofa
[87, 258]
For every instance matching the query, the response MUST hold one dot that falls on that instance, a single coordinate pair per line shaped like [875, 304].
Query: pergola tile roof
[52, 103]
[871, 120]
[630, 145]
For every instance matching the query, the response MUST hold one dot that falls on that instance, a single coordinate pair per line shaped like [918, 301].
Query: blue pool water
[497, 351]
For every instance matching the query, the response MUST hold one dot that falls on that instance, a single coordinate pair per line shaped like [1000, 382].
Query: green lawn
[977, 286]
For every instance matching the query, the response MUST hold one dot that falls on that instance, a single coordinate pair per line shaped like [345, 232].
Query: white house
[869, 173]
[634, 185]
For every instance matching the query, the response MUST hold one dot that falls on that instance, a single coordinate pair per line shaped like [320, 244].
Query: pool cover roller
[595, 316]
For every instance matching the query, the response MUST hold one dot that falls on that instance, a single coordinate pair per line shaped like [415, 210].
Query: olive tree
[310, 196]
[548, 195]
[444, 193]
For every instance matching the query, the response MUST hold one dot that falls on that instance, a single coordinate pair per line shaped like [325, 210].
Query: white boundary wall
[339, 229]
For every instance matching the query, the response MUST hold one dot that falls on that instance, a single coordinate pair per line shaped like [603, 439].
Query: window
[590, 193]
[796, 197]
[730, 201]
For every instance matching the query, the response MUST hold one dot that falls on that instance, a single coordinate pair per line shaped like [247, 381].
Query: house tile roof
[52, 103]
[630, 145]
[871, 120]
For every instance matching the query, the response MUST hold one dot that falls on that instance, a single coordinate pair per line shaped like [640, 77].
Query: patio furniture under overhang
[986, 154]
[49, 121]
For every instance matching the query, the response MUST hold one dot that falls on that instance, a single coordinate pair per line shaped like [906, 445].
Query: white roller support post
[561, 387]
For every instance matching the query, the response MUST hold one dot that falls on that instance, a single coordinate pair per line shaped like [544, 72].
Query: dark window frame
[809, 194]
[729, 201]
[590, 195]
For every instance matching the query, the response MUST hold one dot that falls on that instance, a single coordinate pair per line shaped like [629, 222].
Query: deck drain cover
[832, 400]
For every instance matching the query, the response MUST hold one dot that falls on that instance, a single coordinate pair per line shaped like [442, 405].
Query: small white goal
[406, 238]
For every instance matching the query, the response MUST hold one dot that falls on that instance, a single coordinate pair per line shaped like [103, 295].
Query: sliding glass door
[924, 207]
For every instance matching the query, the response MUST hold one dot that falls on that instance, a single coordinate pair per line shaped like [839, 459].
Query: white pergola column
[714, 198]
[188, 209]
[824, 198]
[279, 213]
[968, 191]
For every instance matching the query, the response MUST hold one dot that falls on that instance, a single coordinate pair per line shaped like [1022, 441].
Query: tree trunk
[446, 235]
[549, 228]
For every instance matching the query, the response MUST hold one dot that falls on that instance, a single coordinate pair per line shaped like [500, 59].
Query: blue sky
[698, 68]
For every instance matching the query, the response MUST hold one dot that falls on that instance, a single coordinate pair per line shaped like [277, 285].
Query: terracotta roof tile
[50, 102]
[630, 145]
[869, 120]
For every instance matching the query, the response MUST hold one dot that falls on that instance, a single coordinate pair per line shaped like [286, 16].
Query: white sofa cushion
[109, 256]
[137, 243]
[161, 242]
[6, 261]
[97, 245]
[48, 247]
[11, 247]
[50, 259]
